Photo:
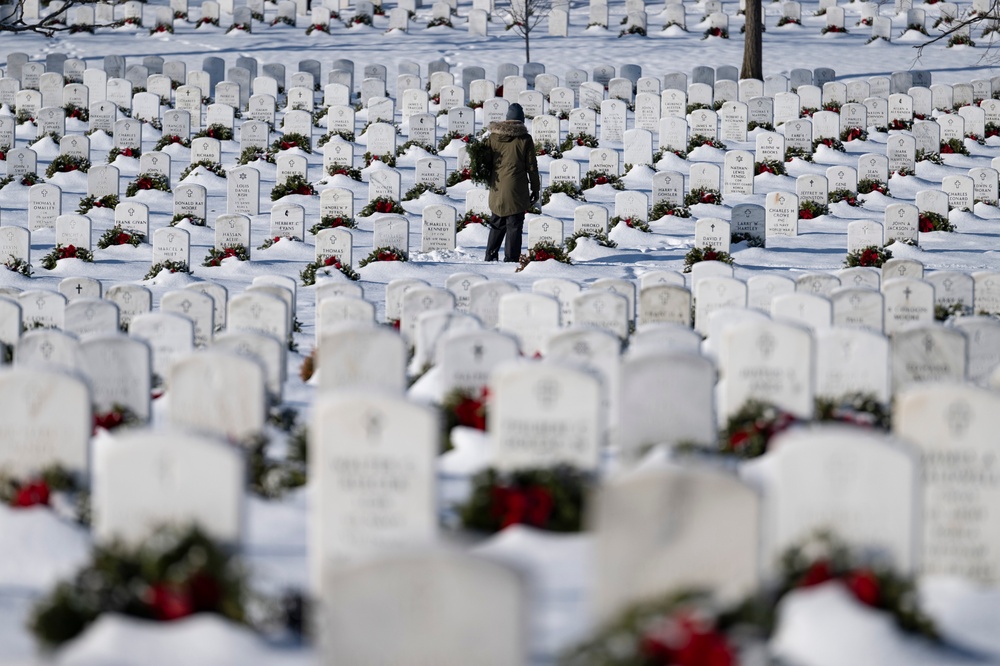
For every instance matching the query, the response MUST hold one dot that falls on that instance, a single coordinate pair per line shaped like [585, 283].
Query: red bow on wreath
[530, 506]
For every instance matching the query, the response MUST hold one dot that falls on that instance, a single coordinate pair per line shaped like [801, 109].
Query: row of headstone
[544, 398]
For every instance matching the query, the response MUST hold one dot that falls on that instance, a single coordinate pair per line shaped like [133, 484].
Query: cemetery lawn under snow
[820, 626]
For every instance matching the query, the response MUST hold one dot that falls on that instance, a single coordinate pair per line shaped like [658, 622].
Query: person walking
[514, 183]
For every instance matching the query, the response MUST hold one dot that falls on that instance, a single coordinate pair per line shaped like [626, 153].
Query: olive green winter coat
[514, 181]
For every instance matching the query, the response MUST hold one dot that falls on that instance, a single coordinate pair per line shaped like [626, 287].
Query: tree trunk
[753, 56]
[527, 43]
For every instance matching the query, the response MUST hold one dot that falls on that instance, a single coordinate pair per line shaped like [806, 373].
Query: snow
[115, 640]
[850, 633]
[818, 627]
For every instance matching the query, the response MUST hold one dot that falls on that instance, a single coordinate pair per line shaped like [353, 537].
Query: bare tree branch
[971, 19]
[523, 16]
[48, 25]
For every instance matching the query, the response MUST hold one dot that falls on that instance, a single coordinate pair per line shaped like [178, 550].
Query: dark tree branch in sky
[12, 19]
[523, 16]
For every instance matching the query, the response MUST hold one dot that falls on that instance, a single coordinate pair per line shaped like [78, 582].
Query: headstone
[467, 358]
[119, 371]
[142, 480]
[907, 301]
[62, 402]
[928, 352]
[361, 357]
[860, 485]
[378, 599]
[543, 414]
[636, 561]
[852, 361]
[769, 362]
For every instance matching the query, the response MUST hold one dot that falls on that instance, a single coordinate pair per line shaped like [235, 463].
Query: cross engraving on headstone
[373, 426]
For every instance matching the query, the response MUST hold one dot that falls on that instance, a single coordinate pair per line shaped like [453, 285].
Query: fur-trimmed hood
[505, 130]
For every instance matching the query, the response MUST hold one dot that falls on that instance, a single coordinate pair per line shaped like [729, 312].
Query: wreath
[326, 266]
[38, 489]
[800, 153]
[291, 140]
[573, 140]
[929, 221]
[18, 265]
[294, 184]
[699, 140]
[382, 205]
[178, 573]
[469, 218]
[812, 209]
[854, 134]
[572, 190]
[543, 252]
[869, 185]
[595, 177]
[844, 195]
[686, 628]
[169, 266]
[698, 254]
[216, 131]
[271, 477]
[118, 236]
[954, 147]
[458, 176]
[630, 222]
[550, 499]
[873, 256]
[823, 559]
[134, 153]
[341, 170]
[418, 189]
[332, 222]
[269, 242]
[212, 167]
[193, 220]
[664, 208]
[748, 238]
[388, 159]
[453, 136]
[716, 32]
[831, 143]
[90, 201]
[66, 252]
[148, 181]
[776, 167]
[925, 156]
[254, 153]
[547, 148]
[67, 163]
[116, 417]
[862, 409]
[596, 236]
[384, 253]
[215, 256]
[703, 195]
[325, 139]
[463, 408]
[480, 161]
[412, 143]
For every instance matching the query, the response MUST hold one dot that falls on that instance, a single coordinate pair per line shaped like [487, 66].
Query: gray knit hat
[515, 112]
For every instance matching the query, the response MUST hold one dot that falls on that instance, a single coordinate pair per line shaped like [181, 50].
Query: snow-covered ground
[821, 626]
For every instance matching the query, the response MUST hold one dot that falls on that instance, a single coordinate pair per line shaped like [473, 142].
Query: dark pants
[510, 226]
